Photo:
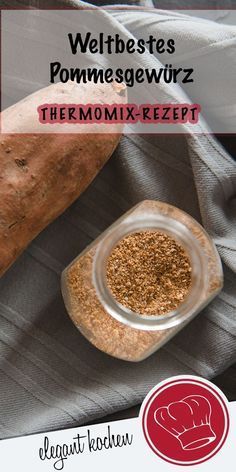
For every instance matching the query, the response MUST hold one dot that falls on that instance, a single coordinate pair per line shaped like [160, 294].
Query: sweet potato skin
[43, 174]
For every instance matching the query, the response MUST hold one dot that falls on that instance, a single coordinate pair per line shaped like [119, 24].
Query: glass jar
[112, 327]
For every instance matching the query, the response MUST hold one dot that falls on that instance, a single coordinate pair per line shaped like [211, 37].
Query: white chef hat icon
[189, 420]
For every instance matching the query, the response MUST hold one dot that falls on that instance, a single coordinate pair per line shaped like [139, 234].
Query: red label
[185, 420]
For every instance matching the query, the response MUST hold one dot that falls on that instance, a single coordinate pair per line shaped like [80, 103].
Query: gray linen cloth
[51, 377]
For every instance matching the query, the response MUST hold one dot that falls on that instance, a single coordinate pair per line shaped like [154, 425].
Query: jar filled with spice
[142, 280]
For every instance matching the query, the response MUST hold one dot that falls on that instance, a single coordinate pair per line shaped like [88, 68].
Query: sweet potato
[42, 174]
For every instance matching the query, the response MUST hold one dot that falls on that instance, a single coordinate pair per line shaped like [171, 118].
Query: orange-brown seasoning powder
[149, 272]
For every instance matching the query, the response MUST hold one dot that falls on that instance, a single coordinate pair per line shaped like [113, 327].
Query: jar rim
[183, 235]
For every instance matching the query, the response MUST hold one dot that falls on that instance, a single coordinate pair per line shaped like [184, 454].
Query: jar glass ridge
[176, 230]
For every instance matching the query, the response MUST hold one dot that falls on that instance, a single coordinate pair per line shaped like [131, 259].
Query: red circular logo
[185, 420]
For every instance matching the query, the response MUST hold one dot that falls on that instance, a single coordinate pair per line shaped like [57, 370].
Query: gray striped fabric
[51, 377]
